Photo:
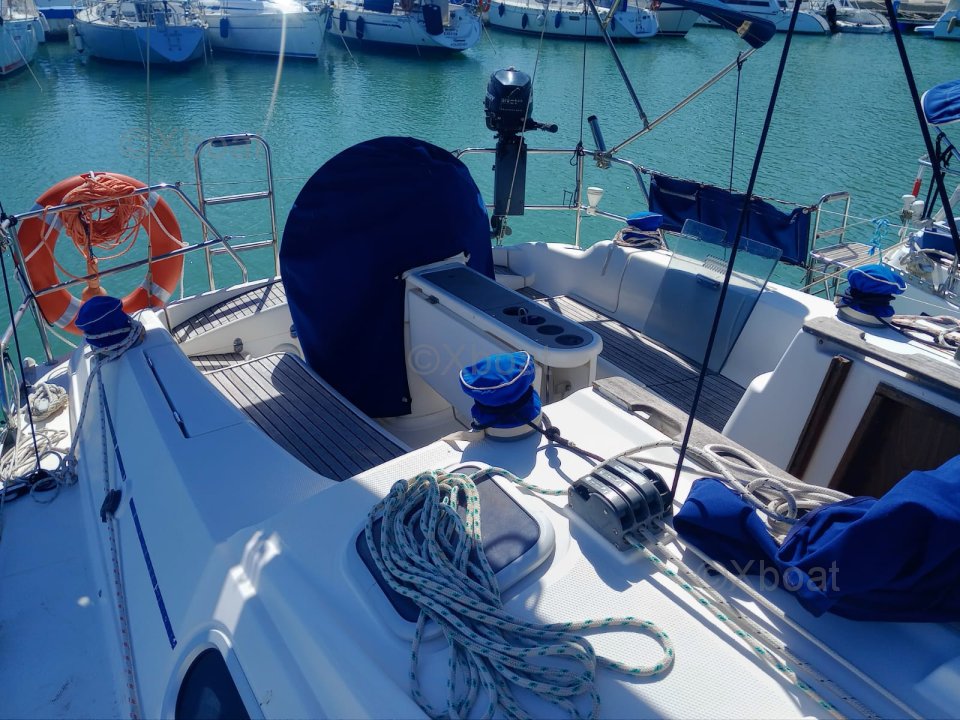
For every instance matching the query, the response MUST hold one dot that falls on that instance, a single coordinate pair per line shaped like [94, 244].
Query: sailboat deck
[669, 375]
[305, 416]
[249, 303]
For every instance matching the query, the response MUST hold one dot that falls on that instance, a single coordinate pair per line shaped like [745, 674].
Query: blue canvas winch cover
[371, 213]
[896, 558]
[501, 387]
[680, 200]
[871, 289]
[941, 104]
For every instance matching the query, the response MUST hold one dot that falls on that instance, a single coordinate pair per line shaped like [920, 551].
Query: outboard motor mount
[507, 106]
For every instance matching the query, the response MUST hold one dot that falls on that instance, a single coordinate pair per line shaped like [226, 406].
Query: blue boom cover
[371, 213]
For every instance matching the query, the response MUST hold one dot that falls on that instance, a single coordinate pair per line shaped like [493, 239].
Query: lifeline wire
[737, 237]
[428, 553]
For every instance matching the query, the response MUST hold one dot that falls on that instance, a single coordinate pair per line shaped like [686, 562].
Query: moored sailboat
[19, 35]
[163, 32]
[425, 25]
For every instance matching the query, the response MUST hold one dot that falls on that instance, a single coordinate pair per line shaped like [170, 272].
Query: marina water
[844, 121]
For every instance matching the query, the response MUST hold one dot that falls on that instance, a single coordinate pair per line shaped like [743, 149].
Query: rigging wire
[737, 237]
[924, 130]
[736, 116]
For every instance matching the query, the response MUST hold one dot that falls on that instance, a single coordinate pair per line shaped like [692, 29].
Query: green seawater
[844, 121]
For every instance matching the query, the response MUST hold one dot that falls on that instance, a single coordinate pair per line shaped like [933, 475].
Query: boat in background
[438, 25]
[161, 32]
[846, 16]
[628, 19]
[808, 21]
[20, 34]
[947, 26]
[58, 14]
[672, 20]
[264, 27]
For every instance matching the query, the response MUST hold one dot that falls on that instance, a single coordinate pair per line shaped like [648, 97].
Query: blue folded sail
[896, 558]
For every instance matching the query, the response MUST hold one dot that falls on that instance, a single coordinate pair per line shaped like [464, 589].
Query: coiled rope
[428, 553]
[106, 219]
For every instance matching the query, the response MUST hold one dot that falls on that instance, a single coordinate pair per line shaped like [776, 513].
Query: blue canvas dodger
[501, 387]
[896, 558]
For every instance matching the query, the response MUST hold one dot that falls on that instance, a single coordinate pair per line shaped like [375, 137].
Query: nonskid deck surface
[209, 363]
[305, 416]
[249, 303]
[667, 374]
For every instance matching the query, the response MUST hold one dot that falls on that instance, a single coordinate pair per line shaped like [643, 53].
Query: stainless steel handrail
[9, 231]
[239, 140]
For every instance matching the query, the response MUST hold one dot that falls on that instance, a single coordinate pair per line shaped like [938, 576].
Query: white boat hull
[170, 45]
[292, 34]
[18, 45]
[674, 21]
[947, 26]
[630, 24]
[808, 23]
[400, 29]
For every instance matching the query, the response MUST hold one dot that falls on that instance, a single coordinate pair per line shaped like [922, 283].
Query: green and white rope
[777, 612]
[748, 632]
[428, 553]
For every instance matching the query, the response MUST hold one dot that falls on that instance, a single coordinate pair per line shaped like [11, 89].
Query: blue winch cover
[896, 558]
[501, 387]
[871, 289]
[680, 200]
[371, 213]
[941, 104]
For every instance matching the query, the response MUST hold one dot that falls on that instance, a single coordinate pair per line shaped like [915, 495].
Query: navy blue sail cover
[371, 213]
[941, 104]
[680, 200]
[896, 558]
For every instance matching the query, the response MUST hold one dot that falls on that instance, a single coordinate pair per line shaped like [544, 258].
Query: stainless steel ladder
[240, 140]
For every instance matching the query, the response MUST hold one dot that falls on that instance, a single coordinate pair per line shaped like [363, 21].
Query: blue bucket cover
[871, 288]
[941, 104]
[502, 390]
[101, 315]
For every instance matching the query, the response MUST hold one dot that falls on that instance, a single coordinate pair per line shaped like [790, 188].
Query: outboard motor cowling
[508, 101]
[507, 106]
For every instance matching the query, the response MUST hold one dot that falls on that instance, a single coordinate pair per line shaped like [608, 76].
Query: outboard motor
[830, 13]
[508, 106]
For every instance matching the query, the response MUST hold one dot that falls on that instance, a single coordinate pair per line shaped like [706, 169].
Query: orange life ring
[38, 238]
[484, 5]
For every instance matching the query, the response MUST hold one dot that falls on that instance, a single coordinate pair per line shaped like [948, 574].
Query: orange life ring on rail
[484, 5]
[38, 238]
